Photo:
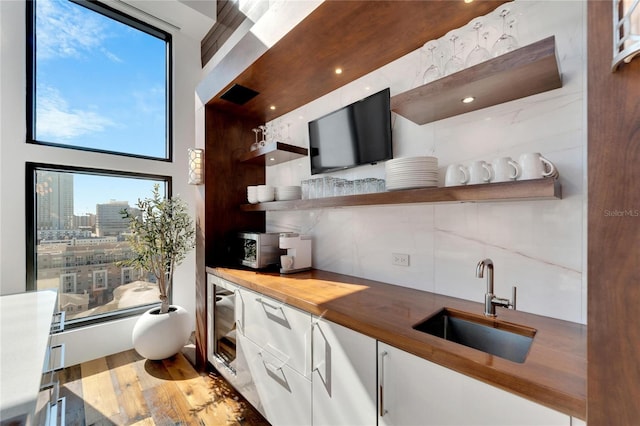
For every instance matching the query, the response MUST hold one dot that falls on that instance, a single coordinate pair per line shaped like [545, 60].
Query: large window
[79, 237]
[98, 80]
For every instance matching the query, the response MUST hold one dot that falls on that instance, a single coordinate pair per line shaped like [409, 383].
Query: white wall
[87, 343]
[540, 246]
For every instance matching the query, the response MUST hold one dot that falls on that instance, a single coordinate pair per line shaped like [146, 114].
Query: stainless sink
[499, 338]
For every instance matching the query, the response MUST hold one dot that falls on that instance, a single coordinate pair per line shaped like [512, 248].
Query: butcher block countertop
[554, 373]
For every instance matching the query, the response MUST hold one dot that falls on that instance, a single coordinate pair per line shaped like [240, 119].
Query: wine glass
[506, 42]
[455, 62]
[263, 141]
[478, 53]
[255, 145]
[433, 71]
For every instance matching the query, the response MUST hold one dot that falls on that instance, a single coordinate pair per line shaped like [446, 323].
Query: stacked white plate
[411, 172]
[266, 193]
[252, 194]
[291, 192]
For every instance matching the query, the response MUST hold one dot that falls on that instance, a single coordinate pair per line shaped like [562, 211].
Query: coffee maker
[298, 256]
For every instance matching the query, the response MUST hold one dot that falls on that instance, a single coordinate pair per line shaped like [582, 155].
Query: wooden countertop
[554, 373]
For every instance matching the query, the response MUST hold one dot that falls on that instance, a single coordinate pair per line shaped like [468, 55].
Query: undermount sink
[496, 337]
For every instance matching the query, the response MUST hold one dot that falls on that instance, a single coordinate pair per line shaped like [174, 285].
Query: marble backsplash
[539, 246]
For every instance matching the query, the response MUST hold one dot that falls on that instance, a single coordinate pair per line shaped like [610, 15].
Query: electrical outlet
[400, 259]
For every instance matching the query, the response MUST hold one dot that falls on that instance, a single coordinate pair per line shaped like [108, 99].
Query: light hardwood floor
[126, 389]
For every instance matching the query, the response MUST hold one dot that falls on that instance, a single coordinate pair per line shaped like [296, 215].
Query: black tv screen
[357, 134]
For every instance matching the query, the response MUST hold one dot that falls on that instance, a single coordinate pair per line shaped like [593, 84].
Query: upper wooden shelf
[274, 153]
[523, 72]
[536, 189]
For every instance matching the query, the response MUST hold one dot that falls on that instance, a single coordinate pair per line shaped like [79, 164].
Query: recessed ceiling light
[468, 1]
[272, 159]
[272, 107]
[338, 70]
[468, 99]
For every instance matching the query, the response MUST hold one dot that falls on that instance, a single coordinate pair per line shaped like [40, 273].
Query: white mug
[535, 166]
[457, 174]
[479, 172]
[505, 169]
[286, 261]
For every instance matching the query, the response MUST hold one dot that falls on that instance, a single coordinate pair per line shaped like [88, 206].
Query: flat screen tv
[357, 134]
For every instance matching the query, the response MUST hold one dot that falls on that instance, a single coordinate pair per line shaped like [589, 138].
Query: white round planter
[158, 336]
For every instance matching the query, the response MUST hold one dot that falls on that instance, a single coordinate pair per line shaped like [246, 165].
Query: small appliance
[298, 257]
[258, 250]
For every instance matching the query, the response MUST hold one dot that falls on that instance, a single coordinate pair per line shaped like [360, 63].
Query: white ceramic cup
[505, 169]
[286, 261]
[457, 174]
[479, 172]
[535, 166]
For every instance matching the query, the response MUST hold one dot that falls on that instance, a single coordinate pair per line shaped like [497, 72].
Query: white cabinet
[415, 391]
[284, 395]
[282, 330]
[344, 376]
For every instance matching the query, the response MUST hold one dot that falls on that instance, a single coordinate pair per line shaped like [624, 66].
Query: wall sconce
[196, 166]
[626, 31]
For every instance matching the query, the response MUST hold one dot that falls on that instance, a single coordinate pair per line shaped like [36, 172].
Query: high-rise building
[54, 192]
[109, 221]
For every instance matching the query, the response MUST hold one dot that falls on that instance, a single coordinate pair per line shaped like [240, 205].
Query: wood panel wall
[613, 229]
[227, 138]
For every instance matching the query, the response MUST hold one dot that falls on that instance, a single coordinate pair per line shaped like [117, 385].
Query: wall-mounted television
[354, 135]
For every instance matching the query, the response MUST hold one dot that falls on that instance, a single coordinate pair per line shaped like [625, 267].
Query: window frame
[32, 234]
[119, 16]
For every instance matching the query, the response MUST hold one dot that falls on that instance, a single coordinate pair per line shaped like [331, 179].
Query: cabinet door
[284, 395]
[344, 376]
[281, 329]
[414, 391]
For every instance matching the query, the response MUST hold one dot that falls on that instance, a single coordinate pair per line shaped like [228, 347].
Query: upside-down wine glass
[433, 70]
[255, 145]
[455, 62]
[263, 141]
[506, 42]
[478, 54]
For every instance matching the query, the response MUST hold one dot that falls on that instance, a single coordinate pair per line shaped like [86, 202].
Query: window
[85, 240]
[98, 80]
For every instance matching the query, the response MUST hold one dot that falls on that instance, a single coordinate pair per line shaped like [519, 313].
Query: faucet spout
[490, 299]
[488, 263]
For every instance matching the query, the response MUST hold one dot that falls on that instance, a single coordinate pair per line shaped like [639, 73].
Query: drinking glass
[256, 144]
[506, 42]
[455, 62]
[433, 71]
[263, 141]
[479, 53]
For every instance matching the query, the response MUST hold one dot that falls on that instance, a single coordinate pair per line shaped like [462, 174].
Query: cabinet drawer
[284, 395]
[281, 329]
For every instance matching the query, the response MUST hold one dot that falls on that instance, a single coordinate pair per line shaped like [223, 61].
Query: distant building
[109, 221]
[54, 192]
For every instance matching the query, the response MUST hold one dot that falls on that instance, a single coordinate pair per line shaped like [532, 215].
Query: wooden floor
[126, 389]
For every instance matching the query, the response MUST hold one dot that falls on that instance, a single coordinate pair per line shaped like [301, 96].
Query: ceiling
[194, 18]
[357, 35]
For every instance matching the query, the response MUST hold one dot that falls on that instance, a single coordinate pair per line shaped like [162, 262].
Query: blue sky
[99, 84]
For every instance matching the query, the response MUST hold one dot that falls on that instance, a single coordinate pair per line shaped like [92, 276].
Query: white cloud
[64, 31]
[56, 120]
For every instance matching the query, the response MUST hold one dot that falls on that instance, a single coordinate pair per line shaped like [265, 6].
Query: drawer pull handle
[383, 411]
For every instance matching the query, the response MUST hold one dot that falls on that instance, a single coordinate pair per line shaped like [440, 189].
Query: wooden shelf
[523, 72]
[274, 153]
[526, 190]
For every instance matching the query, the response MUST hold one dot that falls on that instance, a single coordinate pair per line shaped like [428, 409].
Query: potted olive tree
[162, 234]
